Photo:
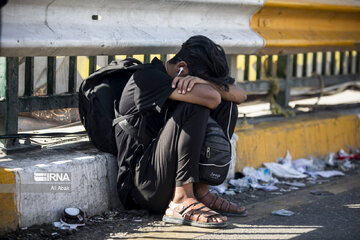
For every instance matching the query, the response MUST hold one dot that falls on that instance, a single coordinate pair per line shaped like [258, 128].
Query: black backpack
[99, 97]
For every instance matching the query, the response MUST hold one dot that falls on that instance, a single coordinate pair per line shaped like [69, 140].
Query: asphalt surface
[334, 216]
[328, 217]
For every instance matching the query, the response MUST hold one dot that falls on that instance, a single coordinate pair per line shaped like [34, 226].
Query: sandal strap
[192, 210]
[201, 214]
[182, 207]
[216, 202]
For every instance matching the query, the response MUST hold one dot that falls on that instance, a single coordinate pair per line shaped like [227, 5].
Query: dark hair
[205, 59]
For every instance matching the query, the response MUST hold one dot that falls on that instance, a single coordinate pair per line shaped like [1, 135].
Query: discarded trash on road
[283, 212]
[322, 193]
[305, 171]
[71, 219]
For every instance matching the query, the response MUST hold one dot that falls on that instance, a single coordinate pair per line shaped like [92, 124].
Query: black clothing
[149, 172]
[146, 92]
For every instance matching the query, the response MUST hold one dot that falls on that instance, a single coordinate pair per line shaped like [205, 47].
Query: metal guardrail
[293, 26]
[334, 71]
[124, 26]
[46, 28]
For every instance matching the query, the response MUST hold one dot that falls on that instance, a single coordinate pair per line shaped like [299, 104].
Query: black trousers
[172, 159]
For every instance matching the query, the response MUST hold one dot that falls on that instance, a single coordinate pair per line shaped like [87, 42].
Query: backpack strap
[138, 133]
[125, 125]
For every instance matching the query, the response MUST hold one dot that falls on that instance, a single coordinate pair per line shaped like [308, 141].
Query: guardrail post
[29, 76]
[72, 74]
[283, 97]
[9, 121]
[231, 60]
[51, 76]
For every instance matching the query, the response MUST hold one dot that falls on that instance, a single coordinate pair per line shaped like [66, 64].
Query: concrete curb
[92, 176]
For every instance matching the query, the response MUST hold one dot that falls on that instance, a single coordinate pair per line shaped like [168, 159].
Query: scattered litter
[240, 183]
[286, 160]
[330, 159]
[313, 169]
[321, 181]
[301, 164]
[285, 190]
[327, 174]
[284, 170]
[344, 155]
[295, 184]
[318, 165]
[71, 219]
[96, 219]
[230, 192]
[138, 220]
[345, 165]
[220, 189]
[283, 212]
[54, 233]
[322, 193]
[24, 228]
[270, 188]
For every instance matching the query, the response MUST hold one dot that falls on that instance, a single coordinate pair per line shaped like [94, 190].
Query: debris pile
[294, 174]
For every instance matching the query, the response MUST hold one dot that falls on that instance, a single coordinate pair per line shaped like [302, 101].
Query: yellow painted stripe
[265, 142]
[292, 26]
[9, 215]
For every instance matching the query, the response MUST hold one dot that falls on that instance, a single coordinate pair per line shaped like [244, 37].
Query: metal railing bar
[263, 86]
[288, 80]
[72, 74]
[29, 76]
[295, 62]
[358, 62]
[332, 63]
[351, 63]
[323, 63]
[38, 103]
[314, 62]
[272, 66]
[111, 58]
[342, 62]
[163, 58]
[246, 67]
[12, 106]
[92, 64]
[258, 68]
[304, 66]
[146, 58]
[231, 60]
[51, 75]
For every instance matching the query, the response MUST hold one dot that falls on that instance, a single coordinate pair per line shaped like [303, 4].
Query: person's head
[201, 57]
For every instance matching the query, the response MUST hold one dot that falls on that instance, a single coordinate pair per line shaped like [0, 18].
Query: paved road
[316, 217]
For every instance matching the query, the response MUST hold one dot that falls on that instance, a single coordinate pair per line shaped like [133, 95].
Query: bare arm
[235, 94]
[185, 85]
[202, 94]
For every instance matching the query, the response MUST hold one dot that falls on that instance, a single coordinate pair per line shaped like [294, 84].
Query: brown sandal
[191, 212]
[221, 205]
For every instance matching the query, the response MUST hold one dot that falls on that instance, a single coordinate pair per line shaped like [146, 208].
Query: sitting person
[169, 106]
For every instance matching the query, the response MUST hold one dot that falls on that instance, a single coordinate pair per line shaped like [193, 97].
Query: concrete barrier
[27, 198]
[316, 135]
